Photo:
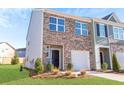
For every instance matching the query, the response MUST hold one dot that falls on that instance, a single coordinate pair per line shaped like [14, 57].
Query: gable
[112, 17]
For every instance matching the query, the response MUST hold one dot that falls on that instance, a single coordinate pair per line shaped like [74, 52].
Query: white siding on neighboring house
[6, 53]
[34, 38]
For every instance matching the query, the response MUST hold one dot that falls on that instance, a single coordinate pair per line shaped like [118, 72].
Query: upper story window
[118, 33]
[52, 24]
[101, 30]
[81, 29]
[56, 24]
[61, 25]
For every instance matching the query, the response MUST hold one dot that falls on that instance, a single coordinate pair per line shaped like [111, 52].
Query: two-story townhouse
[60, 39]
[108, 39]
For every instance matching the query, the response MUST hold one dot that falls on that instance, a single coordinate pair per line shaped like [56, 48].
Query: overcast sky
[14, 22]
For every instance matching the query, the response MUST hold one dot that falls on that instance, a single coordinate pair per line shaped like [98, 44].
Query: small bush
[15, 60]
[49, 67]
[69, 66]
[38, 66]
[21, 68]
[55, 71]
[68, 73]
[104, 66]
[82, 72]
[115, 64]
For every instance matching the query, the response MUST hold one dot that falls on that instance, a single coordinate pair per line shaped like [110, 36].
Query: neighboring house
[21, 54]
[108, 39]
[7, 52]
[60, 39]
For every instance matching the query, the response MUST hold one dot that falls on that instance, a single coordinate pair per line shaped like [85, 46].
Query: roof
[8, 44]
[107, 17]
[112, 16]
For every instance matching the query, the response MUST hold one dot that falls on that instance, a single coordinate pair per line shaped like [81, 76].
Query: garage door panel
[80, 60]
[120, 58]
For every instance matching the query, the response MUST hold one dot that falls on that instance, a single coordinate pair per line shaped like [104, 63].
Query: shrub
[68, 73]
[15, 60]
[38, 66]
[55, 71]
[104, 66]
[21, 68]
[115, 64]
[49, 67]
[82, 72]
[69, 66]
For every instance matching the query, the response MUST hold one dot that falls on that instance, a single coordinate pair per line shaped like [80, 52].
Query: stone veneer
[67, 40]
[115, 47]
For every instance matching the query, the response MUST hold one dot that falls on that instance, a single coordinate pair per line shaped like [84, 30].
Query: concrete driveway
[113, 76]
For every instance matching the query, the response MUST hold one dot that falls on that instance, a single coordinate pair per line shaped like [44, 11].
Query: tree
[38, 66]
[15, 60]
[115, 64]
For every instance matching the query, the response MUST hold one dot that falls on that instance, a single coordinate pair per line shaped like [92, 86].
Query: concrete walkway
[112, 76]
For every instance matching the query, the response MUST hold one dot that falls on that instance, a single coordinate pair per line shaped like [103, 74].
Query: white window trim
[81, 29]
[114, 32]
[84, 29]
[118, 33]
[57, 23]
[53, 23]
[100, 31]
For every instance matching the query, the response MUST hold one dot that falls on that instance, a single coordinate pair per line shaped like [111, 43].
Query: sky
[14, 22]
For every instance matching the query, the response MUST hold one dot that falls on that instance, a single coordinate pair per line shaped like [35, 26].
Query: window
[84, 29]
[78, 28]
[56, 24]
[81, 29]
[102, 30]
[61, 25]
[52, 24]
[121, 34]
[118, 33]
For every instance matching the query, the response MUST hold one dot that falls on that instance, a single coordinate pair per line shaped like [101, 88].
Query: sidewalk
[112, 76]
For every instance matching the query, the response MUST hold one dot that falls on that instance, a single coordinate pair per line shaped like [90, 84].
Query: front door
[101, 58]
[55, 58]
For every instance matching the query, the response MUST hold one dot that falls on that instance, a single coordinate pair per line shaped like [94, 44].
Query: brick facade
[67, 40]
[115, 47]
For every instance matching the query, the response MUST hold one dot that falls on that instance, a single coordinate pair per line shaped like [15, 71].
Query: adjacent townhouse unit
[7, 52]
[108, 39]
[21, 54]
[59, 39]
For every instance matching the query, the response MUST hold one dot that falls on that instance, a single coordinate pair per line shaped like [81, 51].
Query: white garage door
[80, 60]
[120, 58]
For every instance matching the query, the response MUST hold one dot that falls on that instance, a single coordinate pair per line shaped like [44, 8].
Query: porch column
[110, 54]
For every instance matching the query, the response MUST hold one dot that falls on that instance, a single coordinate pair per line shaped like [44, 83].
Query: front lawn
[9, 74]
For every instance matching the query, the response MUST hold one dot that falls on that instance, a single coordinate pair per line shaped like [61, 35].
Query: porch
[103, 56]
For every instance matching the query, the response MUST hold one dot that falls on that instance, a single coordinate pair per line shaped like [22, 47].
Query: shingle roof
[8, 45]
[107, 17]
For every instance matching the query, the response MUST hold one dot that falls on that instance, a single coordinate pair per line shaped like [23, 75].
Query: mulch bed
[60, 75]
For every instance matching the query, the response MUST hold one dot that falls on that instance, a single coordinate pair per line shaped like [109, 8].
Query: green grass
[9, 74]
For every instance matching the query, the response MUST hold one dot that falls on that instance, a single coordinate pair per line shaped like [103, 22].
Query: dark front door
[55, 58]
[101, 58]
